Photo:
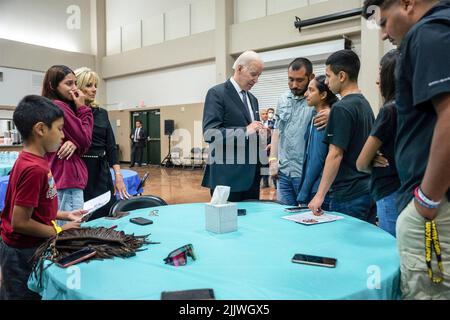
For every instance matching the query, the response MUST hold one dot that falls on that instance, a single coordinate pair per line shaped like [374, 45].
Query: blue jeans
[387, 213]
[70, 200]
[288, 188]
[359, 208]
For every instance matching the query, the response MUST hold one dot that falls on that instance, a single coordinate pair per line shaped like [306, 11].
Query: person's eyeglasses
[154, 213]
[179, 256]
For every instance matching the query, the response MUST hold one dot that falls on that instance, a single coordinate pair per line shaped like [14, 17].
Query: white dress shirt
[239, 91]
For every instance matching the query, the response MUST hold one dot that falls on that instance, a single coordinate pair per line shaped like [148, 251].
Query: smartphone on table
[141, 221]
[296, 209]
[76, 257]
[198, 294]
[314, 260]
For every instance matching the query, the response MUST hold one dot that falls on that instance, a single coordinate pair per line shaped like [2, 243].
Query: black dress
[101, 156]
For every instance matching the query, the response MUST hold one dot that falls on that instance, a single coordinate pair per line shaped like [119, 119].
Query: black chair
[136, 203]
[142, 183]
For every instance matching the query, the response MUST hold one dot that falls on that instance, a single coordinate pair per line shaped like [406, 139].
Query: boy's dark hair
[367, 11]
[52, 78]
[139, 121]
[33, 109]
[322, 87]
[299, 63]
[271, 109]
[387, 75]
[346, 61]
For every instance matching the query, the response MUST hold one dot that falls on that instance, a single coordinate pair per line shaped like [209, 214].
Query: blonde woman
[103, 152]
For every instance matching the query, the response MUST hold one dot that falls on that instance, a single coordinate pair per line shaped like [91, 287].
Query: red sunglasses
[179, 256]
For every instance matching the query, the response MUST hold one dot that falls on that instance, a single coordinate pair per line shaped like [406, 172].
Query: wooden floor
[177, 186]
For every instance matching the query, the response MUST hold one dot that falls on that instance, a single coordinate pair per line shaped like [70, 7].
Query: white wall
[46, 23]
[161, 21]
[18, 83]
[183, 85]
[246, 10]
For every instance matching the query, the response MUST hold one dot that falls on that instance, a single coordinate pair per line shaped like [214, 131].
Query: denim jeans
[288, 188]
[15, 270]
[359, 208]
[70, 200]
[387, 213]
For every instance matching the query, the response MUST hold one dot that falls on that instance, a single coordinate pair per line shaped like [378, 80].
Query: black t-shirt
[349, 126]
[423, 73]
[385, 181]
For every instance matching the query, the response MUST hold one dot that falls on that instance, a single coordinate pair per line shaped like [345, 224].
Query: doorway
[151, 123]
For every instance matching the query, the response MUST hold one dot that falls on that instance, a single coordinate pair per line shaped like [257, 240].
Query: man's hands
[321, 119]
[316, 205]
[67, 150]
[254, 127]
[425, 212]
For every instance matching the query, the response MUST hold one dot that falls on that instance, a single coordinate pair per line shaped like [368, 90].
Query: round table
[253, 263]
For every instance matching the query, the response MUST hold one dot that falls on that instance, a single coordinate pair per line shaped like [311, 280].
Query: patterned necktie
[244, 99]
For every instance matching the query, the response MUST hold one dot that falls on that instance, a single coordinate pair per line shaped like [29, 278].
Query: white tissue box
[221, 218]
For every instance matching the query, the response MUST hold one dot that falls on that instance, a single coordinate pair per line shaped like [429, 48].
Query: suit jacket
[142, 138]
[233, 156]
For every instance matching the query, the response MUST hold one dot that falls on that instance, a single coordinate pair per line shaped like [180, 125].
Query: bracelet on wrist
[424, 201]
[57, 228]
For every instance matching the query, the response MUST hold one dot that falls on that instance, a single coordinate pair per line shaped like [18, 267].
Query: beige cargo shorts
[415, 282]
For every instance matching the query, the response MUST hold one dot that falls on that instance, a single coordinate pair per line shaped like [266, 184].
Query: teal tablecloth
[252, 263]
[5, 169]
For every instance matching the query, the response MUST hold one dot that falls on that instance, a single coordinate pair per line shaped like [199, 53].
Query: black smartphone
[76, 257]
[198, 294]
[296, 209]
[141, 221]
[242, 212]
[314, 260]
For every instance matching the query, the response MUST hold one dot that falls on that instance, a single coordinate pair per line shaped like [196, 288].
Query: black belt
[94, 156]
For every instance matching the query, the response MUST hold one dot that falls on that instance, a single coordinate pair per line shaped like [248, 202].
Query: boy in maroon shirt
[31, 204]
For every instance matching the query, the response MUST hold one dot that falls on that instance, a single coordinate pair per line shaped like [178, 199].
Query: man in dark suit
[231, 126]
[138, 138]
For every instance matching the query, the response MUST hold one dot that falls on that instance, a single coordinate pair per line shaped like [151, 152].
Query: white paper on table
[96, 203]
[309, 218]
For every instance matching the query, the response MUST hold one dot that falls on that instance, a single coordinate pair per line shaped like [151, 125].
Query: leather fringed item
[108, 243]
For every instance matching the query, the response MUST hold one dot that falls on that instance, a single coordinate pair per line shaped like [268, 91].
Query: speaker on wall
[169, 127]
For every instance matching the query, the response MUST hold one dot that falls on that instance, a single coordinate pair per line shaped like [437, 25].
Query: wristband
[58, 229]
[272, 159]
[424, 201]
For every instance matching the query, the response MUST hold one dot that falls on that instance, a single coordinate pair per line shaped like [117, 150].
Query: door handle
[153, 139]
